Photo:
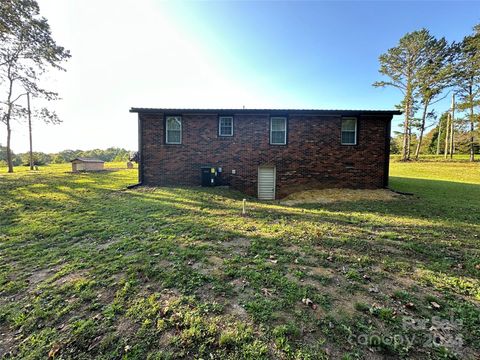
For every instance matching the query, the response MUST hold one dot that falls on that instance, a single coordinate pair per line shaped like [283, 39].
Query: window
[278, 130]
[225, 126]
[173, 130]
[349, 131]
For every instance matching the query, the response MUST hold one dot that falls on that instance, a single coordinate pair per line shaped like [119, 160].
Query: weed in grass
[362, 307]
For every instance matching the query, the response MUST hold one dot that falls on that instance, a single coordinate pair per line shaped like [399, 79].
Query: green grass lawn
[91, 270]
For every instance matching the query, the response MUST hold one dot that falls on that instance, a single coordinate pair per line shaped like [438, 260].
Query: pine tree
[467, 81]
[402, 65]
[433, 78]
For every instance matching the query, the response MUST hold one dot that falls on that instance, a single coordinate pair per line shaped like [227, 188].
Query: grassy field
[91, 270]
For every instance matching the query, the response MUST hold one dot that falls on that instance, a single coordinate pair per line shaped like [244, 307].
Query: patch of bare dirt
[107, 244]
[319, 271]
[326, 196]
[345, 305]
[242, 291]
[211, 266]
[295, 249]
[166, 264]
[7, 340]
[239, 284]
[313, 270]
[40, 275]
[72, 277]
[238, 242]
[236, 310]
[106, 294]
[238, 245]
[126, 327]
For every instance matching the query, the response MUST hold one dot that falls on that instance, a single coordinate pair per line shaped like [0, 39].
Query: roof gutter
[265, 111]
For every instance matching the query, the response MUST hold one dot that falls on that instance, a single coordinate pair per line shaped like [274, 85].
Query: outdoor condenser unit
[210, 176]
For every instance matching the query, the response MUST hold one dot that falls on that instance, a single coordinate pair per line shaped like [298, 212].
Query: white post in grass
[243, 207]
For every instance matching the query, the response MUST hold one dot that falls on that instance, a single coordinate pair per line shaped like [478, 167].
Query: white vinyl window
[278, 130]
[349, 131]
[225, 126]
[173, 131]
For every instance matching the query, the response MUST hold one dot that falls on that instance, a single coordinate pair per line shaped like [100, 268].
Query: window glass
[278, 130]
[349, 124]
[349, 131]
[278, 124]
[226, 126]
[174, 130]
[348, 137]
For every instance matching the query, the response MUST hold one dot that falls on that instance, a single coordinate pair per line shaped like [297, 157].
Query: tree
[3, 157]
[27, 51]
[3, 154]
[402, 64]
[420, 67]
[467, 81]
[433, 78]
[39, 158]
[48, 117]
[14, 13]
[439, 136]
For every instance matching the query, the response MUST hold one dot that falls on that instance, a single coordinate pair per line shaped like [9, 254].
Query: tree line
[41, 158]
[435, 140]
[426, 70]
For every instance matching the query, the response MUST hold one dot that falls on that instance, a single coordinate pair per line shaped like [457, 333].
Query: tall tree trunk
[439, 136]
[405, 131]
[422, 129]
[472, 141]
[30, 130]
[472, 129]
[447, 136]
[9, 151]
[7, 119]
[452, 127]
[452, 133]
[409, 141]
[406, 124]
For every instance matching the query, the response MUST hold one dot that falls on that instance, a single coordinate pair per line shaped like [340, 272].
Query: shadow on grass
[154, 236]
[89, 207]
[445, 200]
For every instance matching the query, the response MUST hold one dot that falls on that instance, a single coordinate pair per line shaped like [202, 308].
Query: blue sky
[318, 54]
[223, 54]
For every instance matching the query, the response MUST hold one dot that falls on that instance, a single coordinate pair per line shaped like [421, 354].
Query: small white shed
[86, 164]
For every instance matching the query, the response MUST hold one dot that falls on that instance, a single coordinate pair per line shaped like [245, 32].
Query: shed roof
[349, 112]
[89, 160]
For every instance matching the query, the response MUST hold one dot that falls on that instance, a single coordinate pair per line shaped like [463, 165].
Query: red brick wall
[312, 158]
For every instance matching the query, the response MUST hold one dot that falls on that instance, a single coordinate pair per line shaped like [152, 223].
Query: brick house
[264, 153]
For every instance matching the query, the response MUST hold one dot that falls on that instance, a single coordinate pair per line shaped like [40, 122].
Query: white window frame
[220, 118]
[179, 118]
[354, 131]
[271, 129]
